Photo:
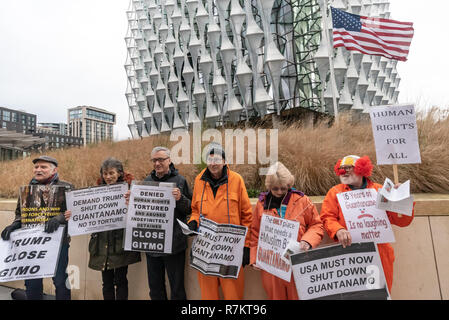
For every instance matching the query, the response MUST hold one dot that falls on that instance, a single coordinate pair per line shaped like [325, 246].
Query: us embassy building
[226, 61]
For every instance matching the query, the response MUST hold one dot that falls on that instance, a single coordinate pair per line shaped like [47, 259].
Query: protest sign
[363, 219]
[395, 134]
[31, 253]
[274, 235]
[218, 249]
[97, 209]
[39, 203]
[334, 272]
[150, 218]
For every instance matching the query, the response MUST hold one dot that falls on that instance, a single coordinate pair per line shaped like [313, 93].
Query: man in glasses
[354, 173]
[219, 194]
[157, 263]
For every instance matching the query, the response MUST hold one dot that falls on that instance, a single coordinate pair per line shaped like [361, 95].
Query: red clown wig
[362, 166]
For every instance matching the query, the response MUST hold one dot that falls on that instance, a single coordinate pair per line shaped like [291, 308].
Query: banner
[40, 203]
[218, 249]
[97, 209]
[395, 134]
[364, 220]
[274, 236]
[335, 273]
[30, 254]
[150, 218]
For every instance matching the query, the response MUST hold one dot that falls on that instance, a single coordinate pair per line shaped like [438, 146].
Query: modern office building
[17, 129]
[232, 60]
[17, 120]
[54, 127]
[92, 124]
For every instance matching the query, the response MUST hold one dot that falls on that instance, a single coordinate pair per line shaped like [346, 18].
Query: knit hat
[362, 165]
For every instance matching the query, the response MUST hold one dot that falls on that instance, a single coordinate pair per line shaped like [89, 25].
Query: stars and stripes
[373, 36]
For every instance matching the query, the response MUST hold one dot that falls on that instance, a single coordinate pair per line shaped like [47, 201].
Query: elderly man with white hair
[157, 263]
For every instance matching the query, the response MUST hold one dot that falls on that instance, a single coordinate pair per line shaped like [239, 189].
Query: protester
[219, 194]
[354, 173]
[281, 200]
[157, 263]
[106, 253]
[45, 172]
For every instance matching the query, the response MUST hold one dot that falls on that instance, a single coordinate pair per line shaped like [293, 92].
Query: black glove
[6, 233]
[51, 225]
[193, 226]
[246, 254]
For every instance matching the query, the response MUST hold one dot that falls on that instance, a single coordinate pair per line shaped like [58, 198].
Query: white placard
[97, 209]
[274, 236]
[395, 134]
[218, 249]
[334, 272]
[30, 253]
[149, 222]
[363, 219]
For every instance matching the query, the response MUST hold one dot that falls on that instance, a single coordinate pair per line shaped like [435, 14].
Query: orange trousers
[278, 289]
[232, 288]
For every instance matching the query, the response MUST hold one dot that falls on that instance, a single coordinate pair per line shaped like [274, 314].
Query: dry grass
[310, 154]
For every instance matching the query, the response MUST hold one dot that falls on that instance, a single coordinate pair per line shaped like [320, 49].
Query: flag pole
[331, 59]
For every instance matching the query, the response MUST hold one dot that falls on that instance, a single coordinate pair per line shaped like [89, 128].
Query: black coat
[182, 210]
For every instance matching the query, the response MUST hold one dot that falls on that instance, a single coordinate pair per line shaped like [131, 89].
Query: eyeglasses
[276, 189]
[159, 160]
[214, 160]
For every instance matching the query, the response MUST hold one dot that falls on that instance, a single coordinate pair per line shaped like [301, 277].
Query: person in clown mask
[354, 173]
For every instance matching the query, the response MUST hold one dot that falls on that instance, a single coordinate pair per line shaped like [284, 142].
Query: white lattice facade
[230, 60]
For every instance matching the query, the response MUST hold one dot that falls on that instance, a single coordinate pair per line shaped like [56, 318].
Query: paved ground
[5, 293]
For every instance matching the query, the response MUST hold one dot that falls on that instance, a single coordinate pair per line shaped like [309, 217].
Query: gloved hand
[51, 225]
[193, 225]
[246, 254]
[6, 233]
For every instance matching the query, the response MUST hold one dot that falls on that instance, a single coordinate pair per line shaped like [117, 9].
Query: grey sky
[56, 54]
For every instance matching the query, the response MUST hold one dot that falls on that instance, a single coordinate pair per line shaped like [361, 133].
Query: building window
[6, 115]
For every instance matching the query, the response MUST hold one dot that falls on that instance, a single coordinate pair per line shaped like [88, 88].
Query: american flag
[373, 36]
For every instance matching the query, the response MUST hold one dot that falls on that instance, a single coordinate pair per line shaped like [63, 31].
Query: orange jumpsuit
[301, 209]
[333, 219]
[216, 209]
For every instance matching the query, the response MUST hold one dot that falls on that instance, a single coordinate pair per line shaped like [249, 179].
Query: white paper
[392, 194]
[185, 228]
[404, 207]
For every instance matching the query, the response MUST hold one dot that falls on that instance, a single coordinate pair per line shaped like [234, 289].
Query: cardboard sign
[363, 219]
[274, 235]
[149, 222]
[97, 209]
[218, 249]
[395, 134]
[334, 272]
[30, 253]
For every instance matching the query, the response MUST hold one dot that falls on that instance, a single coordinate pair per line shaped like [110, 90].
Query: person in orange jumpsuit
[220, 195]
[283, 201]
[354, 172]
